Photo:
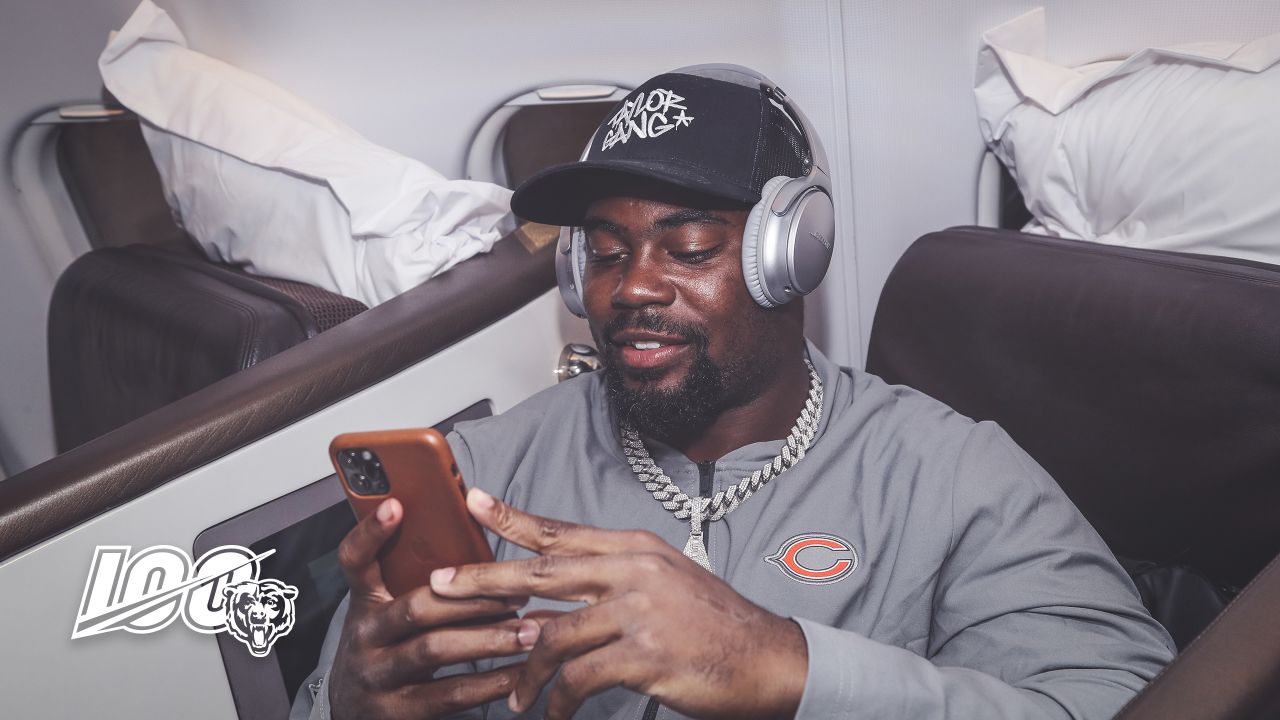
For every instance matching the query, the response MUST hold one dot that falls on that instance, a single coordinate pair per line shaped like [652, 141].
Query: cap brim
[561, 194]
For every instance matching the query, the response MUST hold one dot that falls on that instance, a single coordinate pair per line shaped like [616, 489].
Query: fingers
[416, 659]
[420, 609]
[584, 579]
[456, 693]
[559, 640]
[358, 552]
[591, 674]
[555, 537]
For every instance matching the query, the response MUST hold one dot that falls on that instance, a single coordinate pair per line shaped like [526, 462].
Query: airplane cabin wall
[886, 84]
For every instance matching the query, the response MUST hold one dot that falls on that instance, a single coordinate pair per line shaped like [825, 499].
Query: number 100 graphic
[147, 591]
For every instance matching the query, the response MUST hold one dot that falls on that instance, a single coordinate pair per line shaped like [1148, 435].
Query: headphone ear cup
[570, 266]
[752, 263]
[812, 241]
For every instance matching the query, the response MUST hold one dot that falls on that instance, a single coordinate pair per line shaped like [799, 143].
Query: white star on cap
[682, 119]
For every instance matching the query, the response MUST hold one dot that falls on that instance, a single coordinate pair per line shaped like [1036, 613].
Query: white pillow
[1174, 148]
[267, 182]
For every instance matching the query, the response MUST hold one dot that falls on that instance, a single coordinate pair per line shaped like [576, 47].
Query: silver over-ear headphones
[789, 235]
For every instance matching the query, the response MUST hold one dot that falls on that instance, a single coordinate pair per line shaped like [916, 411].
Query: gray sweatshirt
[936, 570]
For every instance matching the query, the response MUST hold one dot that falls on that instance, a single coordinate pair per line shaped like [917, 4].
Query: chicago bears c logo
[827, 558]
[259, 613]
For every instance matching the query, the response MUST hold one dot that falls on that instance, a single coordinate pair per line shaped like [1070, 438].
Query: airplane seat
[539, 136]
[144, 319]
[114, 186]
[135, 327]
[1147, 383]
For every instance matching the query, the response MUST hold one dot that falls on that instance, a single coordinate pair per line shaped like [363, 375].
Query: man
[871, 552]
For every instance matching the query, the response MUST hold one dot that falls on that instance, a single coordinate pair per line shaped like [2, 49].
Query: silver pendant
[694, 549]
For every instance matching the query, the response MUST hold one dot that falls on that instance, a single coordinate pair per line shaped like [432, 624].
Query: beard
[707, 390]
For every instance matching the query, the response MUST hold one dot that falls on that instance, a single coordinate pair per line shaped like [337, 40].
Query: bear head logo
[259, 613]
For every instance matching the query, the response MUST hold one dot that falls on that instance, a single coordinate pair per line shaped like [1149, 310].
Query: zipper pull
[695, 549]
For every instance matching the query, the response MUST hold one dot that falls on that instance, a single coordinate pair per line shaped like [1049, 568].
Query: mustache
[654, 322]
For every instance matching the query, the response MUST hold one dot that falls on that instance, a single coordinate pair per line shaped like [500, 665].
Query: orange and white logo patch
[816, 558]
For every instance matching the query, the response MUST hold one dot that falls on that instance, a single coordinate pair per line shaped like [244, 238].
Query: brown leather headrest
[1146, 382]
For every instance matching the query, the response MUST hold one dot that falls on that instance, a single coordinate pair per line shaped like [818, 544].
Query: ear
[227, 592]
[290, 591]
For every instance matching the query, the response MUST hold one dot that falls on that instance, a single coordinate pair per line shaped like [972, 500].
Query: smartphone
[416, 467]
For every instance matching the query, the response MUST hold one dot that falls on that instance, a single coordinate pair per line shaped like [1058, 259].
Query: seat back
[114, 185]
[133, 328]
[537, 129]
[1147, 383]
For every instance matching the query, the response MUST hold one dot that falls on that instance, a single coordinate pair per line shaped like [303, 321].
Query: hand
[655, 621]
[391, 647]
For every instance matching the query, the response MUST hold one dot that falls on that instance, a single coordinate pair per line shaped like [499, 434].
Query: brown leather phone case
[419, 471]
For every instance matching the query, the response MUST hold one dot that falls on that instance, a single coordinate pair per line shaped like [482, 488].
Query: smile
[651, 354]
[646, 350]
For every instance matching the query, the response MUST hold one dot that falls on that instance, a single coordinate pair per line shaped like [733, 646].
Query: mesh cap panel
[784, 150]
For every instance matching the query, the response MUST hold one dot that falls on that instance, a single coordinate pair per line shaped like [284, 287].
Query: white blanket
[265, 181]
[1171, 148]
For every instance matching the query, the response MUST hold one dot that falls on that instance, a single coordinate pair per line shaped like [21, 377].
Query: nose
[643, 281]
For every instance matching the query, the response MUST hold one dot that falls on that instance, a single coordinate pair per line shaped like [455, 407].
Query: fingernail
[528, 634]
[384, 512]
[512, 703]
[443, 576]
[480, 499]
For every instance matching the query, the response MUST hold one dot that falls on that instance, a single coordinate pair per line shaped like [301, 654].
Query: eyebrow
[686, 216]
[690, 216]
[592, 223]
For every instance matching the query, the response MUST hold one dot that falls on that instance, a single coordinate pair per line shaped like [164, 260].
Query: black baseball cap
[716, 133]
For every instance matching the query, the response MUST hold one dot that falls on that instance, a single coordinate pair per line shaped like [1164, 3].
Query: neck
[769, 416]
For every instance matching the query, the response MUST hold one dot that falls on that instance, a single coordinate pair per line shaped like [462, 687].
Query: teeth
[646, 345]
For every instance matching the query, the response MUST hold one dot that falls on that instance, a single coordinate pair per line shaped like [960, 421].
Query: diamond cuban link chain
[700, 509]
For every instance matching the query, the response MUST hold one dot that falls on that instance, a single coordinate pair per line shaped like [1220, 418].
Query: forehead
[638, 213]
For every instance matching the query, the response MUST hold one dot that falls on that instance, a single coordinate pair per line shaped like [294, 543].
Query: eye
[695, 257]
[604, 259]
[604, 253]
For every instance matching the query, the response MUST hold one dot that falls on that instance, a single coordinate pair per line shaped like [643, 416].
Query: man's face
[680, 336]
